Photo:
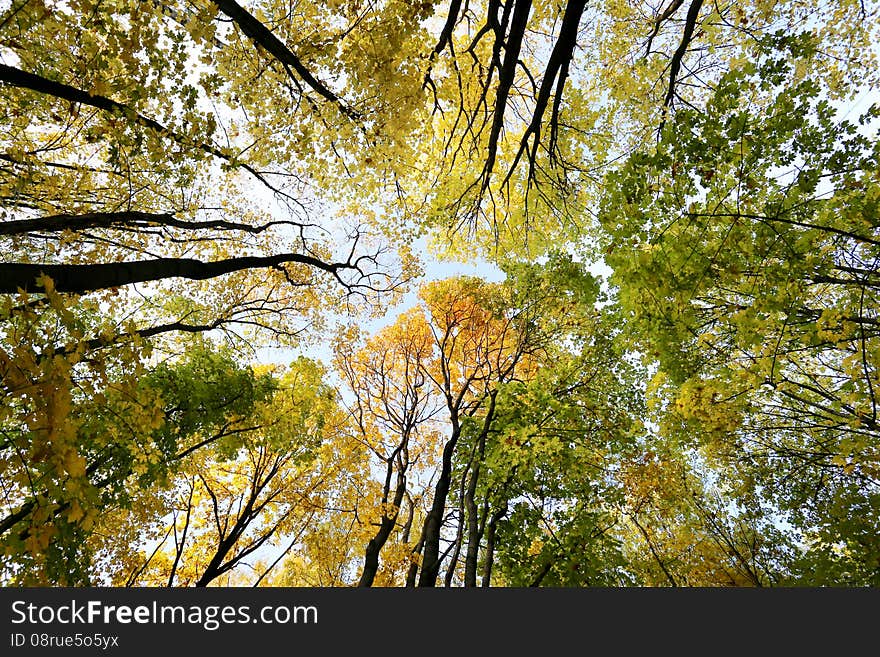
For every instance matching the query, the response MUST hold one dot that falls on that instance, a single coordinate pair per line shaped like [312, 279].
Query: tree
[117, 195]
[73, 454]
[480, 343]
[764, 327]
[393, 408]
[539, 476]
[104, 101]
[534, 101]
[230, 503]
[183, 183]
[684, 526]
[484, 386]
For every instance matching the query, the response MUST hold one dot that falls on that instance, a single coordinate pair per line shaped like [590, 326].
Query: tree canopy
[227, 356]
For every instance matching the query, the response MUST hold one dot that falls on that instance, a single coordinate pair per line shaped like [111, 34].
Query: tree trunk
[474, 533]
[433, 523]
[490, 544]
[374, 547]
[475, 530]
[80, 279]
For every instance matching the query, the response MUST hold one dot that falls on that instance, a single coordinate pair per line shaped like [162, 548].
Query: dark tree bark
[521, 10]
[263, 37]
[79, 279]
[57, 223]
[475, 528]
[386, 526]
[460, 515]
[677, 57]
[18, 78]
[433, 523]
[229, 537]
[491, 530]
[556, 74]
[413, 572]
[473, 523]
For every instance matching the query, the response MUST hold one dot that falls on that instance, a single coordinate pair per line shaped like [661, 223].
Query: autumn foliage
[229, 355]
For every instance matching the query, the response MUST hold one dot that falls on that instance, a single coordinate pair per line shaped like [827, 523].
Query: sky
[435, 269]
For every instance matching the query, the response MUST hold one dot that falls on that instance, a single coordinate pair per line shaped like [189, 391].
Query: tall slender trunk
[473, 521]
[459, 534]
[413, 571]
[490, 543]
[475, 527]
[386, 526]
[431, 534]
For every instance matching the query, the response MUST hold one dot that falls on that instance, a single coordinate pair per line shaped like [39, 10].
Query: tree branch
[263, 37]
[131, 218]
[79, 279]
[18, 78]
[675, 64]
